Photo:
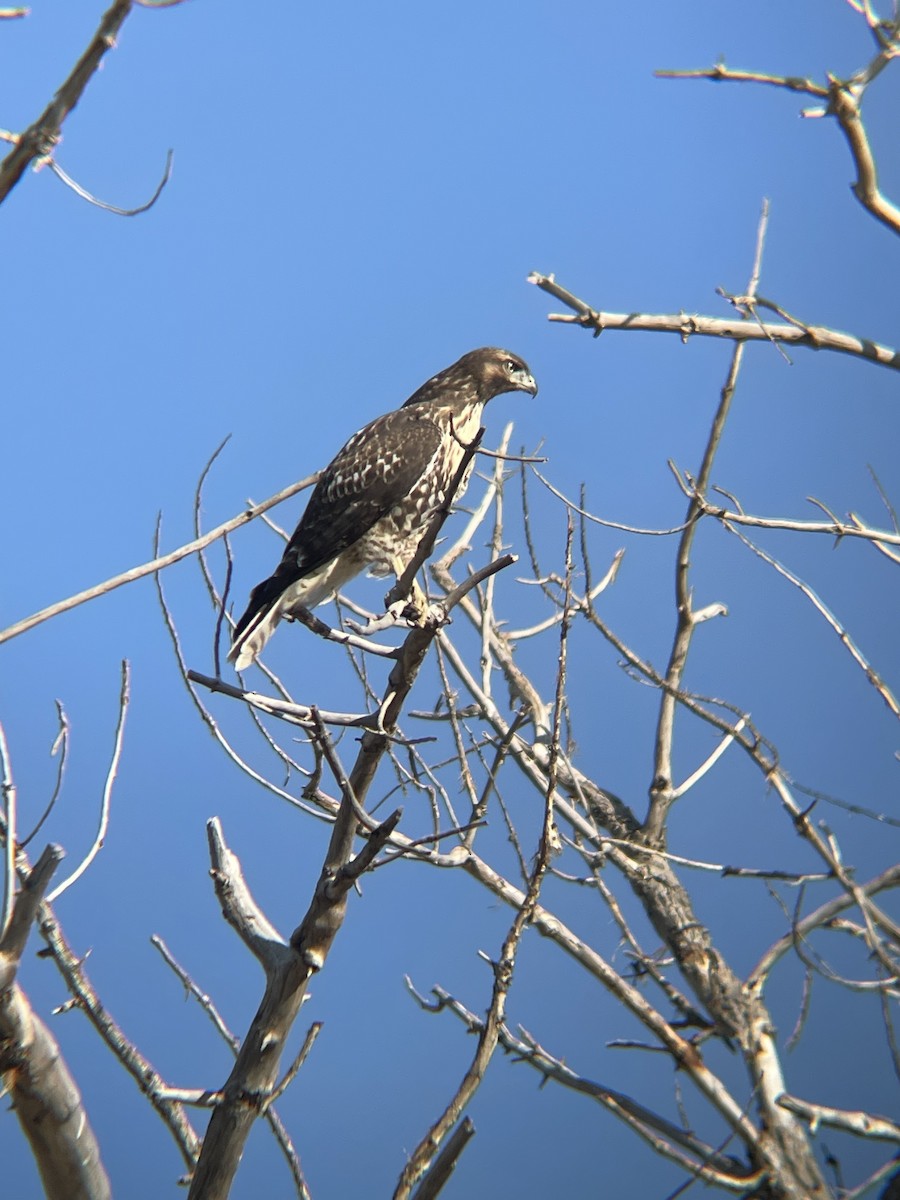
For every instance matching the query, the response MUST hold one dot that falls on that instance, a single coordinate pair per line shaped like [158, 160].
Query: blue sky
[358, 195]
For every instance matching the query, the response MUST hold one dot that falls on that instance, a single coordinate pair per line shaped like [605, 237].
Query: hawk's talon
[412, 613]
[437, 616]
[398, 610]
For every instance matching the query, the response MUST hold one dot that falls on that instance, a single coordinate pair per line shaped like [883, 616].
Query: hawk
[375, 500]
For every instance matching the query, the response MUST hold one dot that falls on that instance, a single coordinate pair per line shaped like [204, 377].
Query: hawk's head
[496, 371]
[477, 377]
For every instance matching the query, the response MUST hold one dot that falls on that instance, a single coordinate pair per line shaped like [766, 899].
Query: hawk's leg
[415, 606]
[412, 609]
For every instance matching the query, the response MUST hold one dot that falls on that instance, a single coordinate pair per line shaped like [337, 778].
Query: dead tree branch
[842, 100]
[136, 1064]
[157, 563]
[662, 788]
[39, 139]
[45, 1097]
[863, 1124]
[289, 966]
[687, 325]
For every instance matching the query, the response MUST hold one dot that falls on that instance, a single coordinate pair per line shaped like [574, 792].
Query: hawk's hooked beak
[524, 381]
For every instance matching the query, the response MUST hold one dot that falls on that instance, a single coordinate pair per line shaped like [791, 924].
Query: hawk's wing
[375, 470]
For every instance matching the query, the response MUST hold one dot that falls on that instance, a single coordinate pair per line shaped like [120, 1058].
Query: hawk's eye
[511, 366]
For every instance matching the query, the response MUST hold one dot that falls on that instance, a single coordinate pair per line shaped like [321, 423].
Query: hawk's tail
[257, 624]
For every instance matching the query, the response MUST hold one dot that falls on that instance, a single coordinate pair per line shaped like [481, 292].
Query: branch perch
[687, 325]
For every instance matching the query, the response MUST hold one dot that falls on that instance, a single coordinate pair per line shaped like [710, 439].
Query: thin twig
[111, 208]
[208, 719]
[666, 1138]
[847, 641]
[710, 762]
[594, 519]
[60, 749]
[202, 998]
[39, 138]
[106, 804]
[503, 970]
[833, 528]
[8, 795]
[294, 1069]
[158, 563]
[285, 710]
[141, 1070]
[819, 918]
[662, 791]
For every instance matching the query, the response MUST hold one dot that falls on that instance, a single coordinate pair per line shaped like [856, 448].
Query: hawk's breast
[393, 540]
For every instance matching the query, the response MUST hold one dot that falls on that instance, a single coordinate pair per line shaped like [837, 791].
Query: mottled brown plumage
[375, 500]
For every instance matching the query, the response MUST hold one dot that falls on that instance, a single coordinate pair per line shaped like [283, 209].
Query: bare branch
[855, 528]
[842, 101]
[872, 914]
[594, 519]
[686, 325]
[792, 83]
[158, 563]
[48, 1104]
[821, 917]
[682, 1050]
[352, 640]
[275, 1123]
[44, 1095]
[207, 717]
[59, 748]
[106, 803]
[294, 714]
[141, 1070]
[710, 762]
[864, 1124]
[443, 1166]
[723, 869]
[675, 1143]
[290, 968]
[192, 989]
[15, 934]
[39, 139]
[239, 908]
[424, 1153]
[10, 832]
[294, 1069]
[850, 645]
[670, 910]
[662, 787]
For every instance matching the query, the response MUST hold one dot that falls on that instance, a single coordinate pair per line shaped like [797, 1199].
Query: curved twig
[842, 101]
[97, 844]
[38, 140]
[112, 208]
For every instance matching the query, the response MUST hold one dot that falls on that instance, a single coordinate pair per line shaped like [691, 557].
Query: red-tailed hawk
[375, 500]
